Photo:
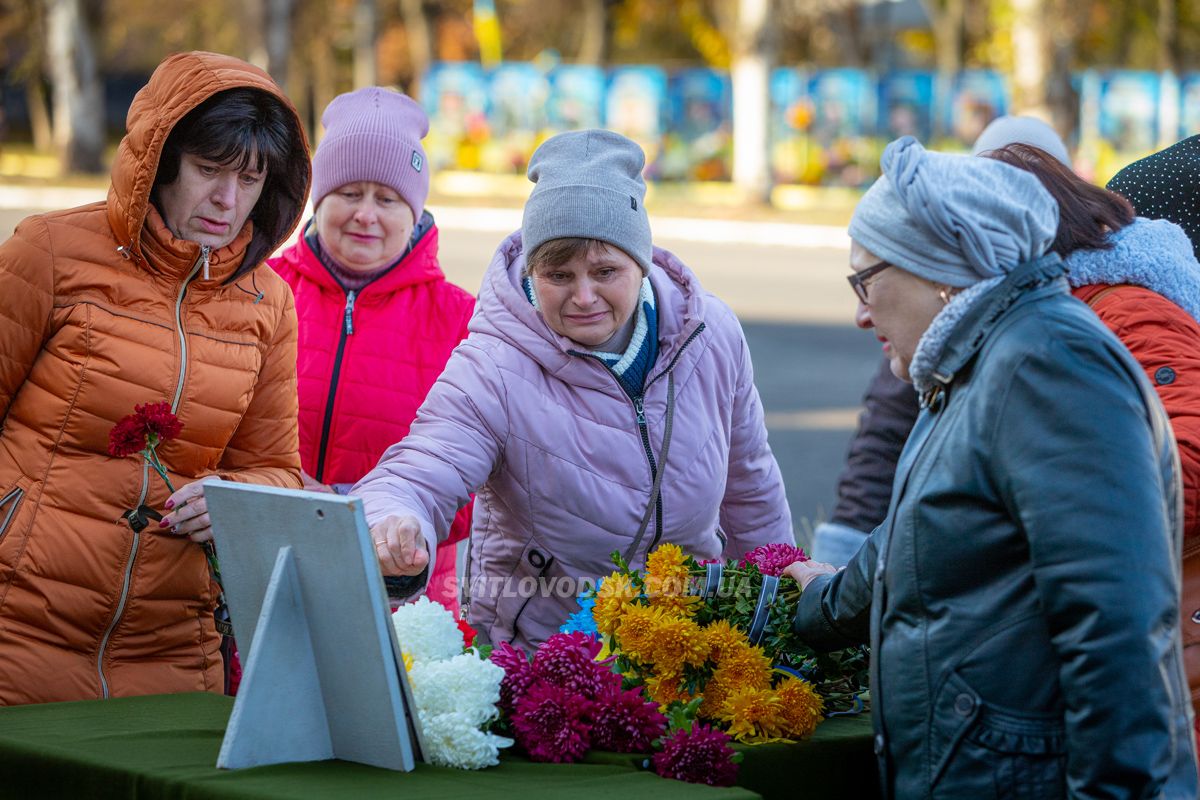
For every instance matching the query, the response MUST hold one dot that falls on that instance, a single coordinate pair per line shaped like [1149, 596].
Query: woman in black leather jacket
[1021, 596]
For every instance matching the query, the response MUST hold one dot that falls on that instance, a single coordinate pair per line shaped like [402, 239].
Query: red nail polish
[170, 504]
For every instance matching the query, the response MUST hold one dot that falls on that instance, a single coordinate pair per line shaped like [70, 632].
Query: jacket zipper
[640, 419]
[347, 331]
[658, 511]
[202, 261]
[13, 501]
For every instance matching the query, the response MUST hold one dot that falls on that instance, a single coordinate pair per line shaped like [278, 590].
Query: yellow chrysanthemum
[675, 605]
[615, 594]
[802, 707]
[753, 715]
[724, 638]
[743, 665]
[636, 631]
[408, 661]
[716, 692]
[677, 641]
[666, 573]
[666, 688]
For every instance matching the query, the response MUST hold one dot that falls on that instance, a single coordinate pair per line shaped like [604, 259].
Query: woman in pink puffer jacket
[602, 402]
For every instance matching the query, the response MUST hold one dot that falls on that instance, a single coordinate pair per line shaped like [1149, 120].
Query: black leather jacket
[1021, 598]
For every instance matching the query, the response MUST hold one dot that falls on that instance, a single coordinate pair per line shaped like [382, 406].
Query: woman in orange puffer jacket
[155, 295]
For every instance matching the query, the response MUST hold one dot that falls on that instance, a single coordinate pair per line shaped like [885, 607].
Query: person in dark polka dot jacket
[1166, 185]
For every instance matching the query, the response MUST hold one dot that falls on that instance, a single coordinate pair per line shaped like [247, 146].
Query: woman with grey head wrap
[997, 595]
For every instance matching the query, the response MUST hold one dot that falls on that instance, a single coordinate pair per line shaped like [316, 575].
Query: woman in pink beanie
[377, 317]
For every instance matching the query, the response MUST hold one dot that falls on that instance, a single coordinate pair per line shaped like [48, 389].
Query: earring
[945, 295]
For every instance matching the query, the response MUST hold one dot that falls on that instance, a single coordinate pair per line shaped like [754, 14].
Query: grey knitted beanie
[1004, 131]
[588, 184]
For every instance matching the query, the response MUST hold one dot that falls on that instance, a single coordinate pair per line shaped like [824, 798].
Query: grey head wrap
[953, 219]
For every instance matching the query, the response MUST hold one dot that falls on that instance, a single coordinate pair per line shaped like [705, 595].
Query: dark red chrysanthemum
[623, 721]
[701, 755]
[158, 420]
[518, 674]
[568, 660]
[772, 559]
[127, 437]
[552, 723]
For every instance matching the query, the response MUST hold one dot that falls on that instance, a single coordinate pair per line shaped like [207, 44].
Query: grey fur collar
[1155, 254]
[933, 341]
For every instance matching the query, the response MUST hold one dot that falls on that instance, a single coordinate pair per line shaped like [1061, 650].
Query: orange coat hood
[181, 83]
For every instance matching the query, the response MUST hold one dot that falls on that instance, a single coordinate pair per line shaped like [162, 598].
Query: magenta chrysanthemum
[551, 723]
[518, 674]
[701, 755]
[771, 559]
[623, 721]
[568, 660]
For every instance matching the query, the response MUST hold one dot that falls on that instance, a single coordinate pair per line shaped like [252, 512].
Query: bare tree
[366, 70]
[1168, 36]
[420, 40]
[593, 32]
[23, 18]
[269, 31]
[1031, 66]
[1061, 98]
[946, 17]
[78, 94]
[753, 51]
[277, 35]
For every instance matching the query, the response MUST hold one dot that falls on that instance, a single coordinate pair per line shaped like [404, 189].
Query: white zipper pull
[204, 251]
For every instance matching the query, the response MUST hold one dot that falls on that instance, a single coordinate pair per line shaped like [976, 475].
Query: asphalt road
[811, 363]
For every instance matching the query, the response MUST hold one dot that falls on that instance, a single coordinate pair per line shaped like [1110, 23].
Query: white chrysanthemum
[465, 684]
[427, 631]
[452, 740]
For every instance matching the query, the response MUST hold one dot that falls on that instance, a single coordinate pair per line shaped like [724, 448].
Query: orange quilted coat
[102, 308]
[1165, 340]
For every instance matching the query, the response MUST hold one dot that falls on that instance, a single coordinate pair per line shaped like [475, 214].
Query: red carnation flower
[701, 755]
[127, 437]
[468, 633]
[158, 420]
[149, 425]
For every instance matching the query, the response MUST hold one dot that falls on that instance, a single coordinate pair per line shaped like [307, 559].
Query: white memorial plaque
[322, 674]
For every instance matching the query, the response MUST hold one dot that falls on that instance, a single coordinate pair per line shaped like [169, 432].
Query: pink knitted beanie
[373, 134]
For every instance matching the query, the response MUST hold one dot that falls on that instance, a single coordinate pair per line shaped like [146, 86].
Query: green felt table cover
[837, 761]
[165, 746]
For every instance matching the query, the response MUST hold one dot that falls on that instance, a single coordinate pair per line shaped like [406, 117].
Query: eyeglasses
[858, 280]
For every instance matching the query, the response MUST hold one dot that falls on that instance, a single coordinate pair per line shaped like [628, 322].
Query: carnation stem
[210, 552]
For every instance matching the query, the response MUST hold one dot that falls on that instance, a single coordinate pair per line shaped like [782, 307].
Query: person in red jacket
[378, 319]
